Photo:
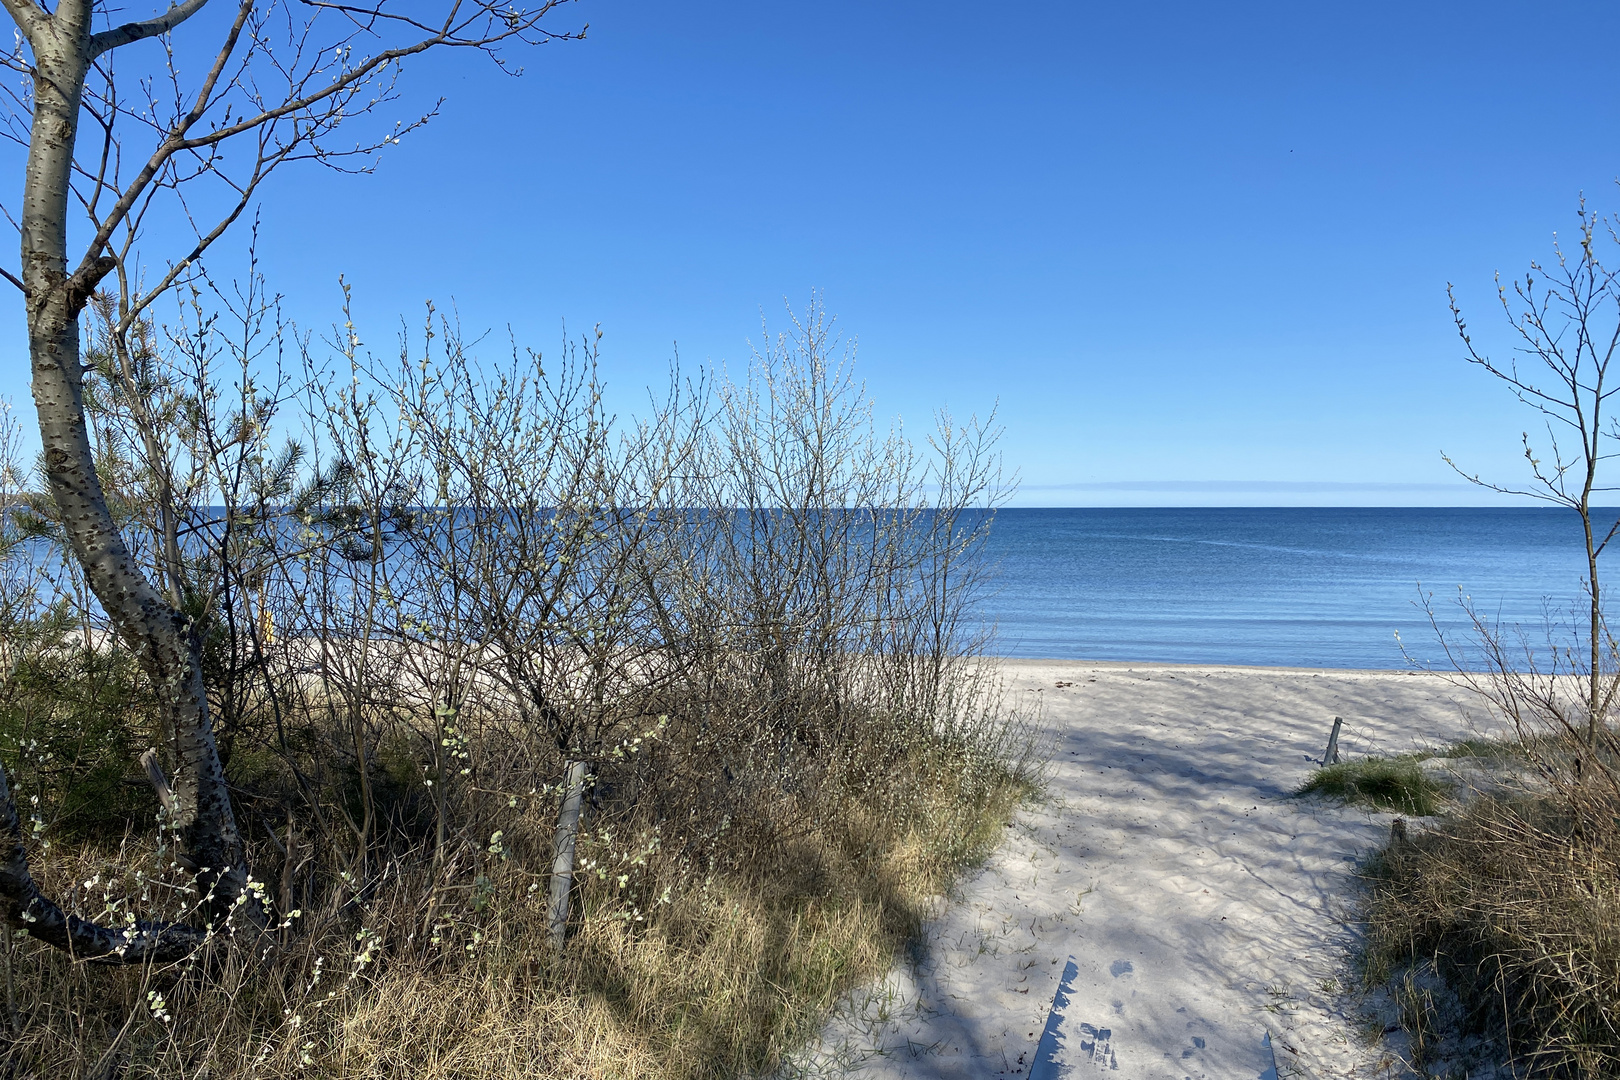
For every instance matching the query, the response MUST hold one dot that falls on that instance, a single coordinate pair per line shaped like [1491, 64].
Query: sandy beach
[1204, 907]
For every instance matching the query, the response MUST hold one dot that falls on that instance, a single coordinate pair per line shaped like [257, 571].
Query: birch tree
[126, 128]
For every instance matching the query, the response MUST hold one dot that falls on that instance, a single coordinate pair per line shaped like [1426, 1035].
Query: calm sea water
[1316, 587]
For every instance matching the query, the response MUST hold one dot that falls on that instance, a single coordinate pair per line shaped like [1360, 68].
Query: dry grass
[742, 963]
[1517, 904]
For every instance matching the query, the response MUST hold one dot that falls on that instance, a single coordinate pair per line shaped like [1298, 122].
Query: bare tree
[277, 83]
[1568, 324]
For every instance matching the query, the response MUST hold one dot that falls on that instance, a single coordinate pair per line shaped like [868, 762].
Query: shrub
[747, 615]
[1520, 911]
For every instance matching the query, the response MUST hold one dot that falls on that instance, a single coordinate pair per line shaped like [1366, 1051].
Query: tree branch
[24, 907]
[86, 278]
[28, 16]
[135, 31]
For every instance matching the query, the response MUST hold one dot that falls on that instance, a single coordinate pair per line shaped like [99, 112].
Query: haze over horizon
[1198, 256]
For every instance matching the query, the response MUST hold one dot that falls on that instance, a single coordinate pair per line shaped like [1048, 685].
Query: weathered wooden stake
[562, 868]
[1332, 755]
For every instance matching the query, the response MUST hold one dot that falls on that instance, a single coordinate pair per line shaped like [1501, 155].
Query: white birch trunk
[562, 867]
[163, 640]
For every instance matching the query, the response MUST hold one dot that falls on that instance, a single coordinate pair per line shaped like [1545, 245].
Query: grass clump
[1520, 911]
[1489, 750]
[1385, 783]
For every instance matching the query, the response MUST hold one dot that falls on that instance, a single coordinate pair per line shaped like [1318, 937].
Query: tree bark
[162, 638]
[562, 867]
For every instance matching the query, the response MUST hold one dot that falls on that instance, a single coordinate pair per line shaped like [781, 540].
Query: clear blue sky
[1198, 252]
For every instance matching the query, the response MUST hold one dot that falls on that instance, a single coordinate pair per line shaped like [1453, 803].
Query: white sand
[1199, 900]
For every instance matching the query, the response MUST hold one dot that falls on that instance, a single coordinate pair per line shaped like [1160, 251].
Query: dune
[1198, 910]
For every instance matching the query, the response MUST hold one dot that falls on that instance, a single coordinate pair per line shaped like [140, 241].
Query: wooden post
[562, 867]
[1332, 755]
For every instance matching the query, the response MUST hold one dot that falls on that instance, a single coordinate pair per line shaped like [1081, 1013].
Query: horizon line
[1291, 486]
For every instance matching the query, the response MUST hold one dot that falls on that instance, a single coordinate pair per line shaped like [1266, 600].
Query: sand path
[1203, 906]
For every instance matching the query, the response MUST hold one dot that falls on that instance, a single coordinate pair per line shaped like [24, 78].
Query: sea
[1296, 587]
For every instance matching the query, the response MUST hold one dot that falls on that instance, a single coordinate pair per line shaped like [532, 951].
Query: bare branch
[1562, 325]
[29, 17]
[135, 31]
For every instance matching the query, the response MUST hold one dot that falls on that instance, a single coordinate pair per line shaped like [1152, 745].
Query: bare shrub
[744, 615]
[1513, 900]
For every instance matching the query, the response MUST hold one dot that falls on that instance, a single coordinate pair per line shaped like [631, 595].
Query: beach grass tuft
[1386, 783]
[1483, 749]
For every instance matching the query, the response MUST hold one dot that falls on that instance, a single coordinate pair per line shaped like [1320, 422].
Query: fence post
[1332, 755]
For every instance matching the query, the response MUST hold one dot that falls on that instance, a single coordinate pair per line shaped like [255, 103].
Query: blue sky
[1198, 253]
